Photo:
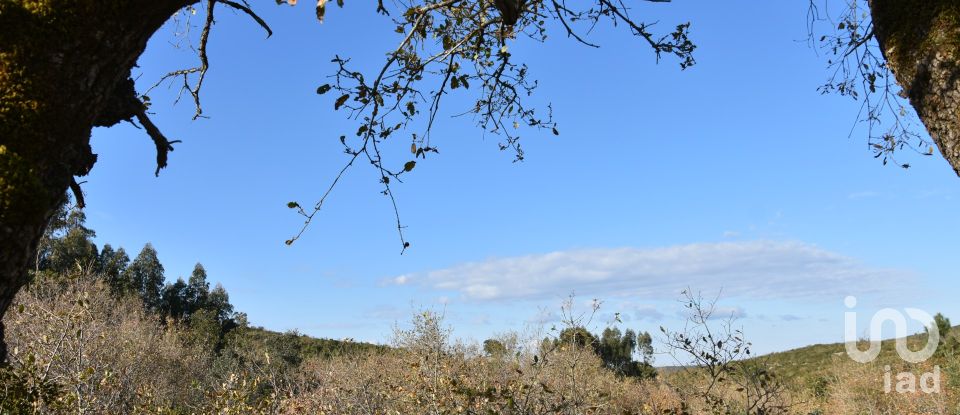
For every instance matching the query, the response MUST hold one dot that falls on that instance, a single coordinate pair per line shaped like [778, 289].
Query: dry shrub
[427, 373]
[102, 354]
[75, 348]
[859, 389]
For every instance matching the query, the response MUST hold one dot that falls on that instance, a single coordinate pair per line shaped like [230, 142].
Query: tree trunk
[64, 66]
[920, 40]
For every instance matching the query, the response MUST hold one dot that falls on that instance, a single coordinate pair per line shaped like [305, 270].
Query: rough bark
[64, 67]
[920, 40]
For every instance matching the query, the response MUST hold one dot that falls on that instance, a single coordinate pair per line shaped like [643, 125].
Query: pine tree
[112, 265]
[219, 303]
[68, 247]
[198, 289]
[645, 347]
[175, 300]
[145, 277]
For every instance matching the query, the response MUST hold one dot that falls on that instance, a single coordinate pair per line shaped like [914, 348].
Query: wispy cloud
[724, 313]
[647, 312]
[754, 269]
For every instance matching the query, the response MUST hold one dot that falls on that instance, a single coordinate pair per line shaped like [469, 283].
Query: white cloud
[724, 313]
[755, 269]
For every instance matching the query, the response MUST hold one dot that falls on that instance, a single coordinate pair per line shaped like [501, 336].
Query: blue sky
[734, 174]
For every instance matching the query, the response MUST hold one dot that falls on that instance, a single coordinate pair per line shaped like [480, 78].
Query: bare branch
[201, 70]
[250, 13]
[164, 146]
[861, 72]
[77, 193]
[447, 41]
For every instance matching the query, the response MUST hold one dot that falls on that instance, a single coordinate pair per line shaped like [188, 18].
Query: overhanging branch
[124, 105]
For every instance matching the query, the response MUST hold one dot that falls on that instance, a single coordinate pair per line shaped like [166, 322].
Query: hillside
[307, 347]
[809, 365]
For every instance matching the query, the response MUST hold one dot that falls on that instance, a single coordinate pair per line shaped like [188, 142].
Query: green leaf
[323, 89]
[409, 165]
[555, 132]
[341, 101]
[288, 242]
[293, 205]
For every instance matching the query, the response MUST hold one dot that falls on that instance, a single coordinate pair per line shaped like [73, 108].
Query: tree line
[628, 353]
[67, 248]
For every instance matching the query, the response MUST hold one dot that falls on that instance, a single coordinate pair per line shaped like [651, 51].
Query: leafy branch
[450, 46]
[859, 71]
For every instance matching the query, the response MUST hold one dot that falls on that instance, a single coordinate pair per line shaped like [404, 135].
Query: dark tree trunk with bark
[920, 40]
[64, 67]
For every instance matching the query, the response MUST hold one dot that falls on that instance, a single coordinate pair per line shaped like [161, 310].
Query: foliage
[92, 352]
[111, 267]
[67, 249]
[66, 244]
[616, 350]
[145, 277]
[494, 348]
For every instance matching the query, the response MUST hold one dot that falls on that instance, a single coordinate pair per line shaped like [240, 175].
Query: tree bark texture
[64, 67]
[920, 40]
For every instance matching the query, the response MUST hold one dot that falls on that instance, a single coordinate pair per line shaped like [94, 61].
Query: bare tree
[715, 354]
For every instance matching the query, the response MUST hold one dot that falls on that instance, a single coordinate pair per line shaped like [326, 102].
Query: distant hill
[811, 362]
[311, 347]
[814, 361]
